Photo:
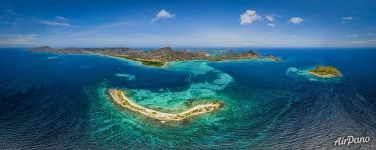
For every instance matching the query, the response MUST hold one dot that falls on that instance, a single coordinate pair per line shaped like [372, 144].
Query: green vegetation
[152, 63]
[326, 71]
[144, 62]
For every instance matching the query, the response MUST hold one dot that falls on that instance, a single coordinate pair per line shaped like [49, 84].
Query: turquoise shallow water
[60, 101]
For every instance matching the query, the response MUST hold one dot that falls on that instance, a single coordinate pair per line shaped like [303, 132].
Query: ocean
[60, 101]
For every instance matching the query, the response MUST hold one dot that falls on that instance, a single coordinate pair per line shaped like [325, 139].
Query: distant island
[120, 98]
[159, 57]
[325, 72]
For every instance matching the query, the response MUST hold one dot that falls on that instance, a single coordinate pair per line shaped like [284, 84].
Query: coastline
[120, 98]
[160, 58]
[166, 64]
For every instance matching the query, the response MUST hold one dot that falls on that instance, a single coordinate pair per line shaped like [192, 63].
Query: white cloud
[296, 20]
[62, 18]
[55, 23]
[58, 21]
[351, 36]
[357, 42]
[248, 17]
[270, 25]
[19, 39]
[370, 41]
[347, 18]
[269, 18]
[163, 14]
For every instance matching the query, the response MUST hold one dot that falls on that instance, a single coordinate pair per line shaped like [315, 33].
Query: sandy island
[120, 98]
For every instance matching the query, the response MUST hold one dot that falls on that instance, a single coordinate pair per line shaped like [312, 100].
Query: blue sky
[194, 23]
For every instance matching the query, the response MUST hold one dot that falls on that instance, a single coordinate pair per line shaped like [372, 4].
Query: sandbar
[120, 98]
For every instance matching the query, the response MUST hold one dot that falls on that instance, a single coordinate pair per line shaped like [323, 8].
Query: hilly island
[158, 57]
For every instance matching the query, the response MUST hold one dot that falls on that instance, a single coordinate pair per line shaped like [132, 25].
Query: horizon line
[189, 47]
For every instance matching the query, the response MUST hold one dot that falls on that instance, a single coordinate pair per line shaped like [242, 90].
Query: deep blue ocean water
[55, 101]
